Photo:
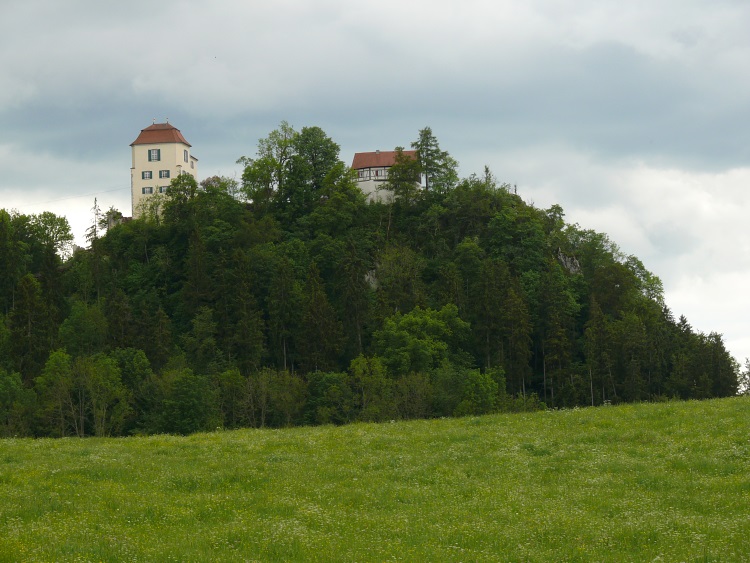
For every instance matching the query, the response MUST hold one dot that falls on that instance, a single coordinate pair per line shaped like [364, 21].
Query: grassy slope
[628, 483]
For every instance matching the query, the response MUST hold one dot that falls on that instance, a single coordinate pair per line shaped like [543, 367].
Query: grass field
[649, 482]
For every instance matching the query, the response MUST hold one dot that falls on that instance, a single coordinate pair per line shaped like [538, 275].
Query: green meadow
[641, 482]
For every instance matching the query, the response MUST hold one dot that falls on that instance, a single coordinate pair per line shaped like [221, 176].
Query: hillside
[641, 482]
[291, 299]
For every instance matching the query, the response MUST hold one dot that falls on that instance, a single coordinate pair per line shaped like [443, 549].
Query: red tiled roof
[377, 159]
[160, 133]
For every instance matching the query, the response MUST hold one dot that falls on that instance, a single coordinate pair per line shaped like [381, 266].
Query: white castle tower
[160, 153]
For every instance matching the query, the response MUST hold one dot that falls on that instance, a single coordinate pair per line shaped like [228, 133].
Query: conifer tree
[437, 166]
[320, 337]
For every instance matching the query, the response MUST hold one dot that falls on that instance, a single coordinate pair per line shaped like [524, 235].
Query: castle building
[372, 171]
[160, 153]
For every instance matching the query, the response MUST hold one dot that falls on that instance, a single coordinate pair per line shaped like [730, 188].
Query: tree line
[287, 298]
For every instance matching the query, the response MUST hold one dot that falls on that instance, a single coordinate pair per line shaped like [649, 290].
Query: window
[162, 189]
[154, 155]
[185, 155]
[192, 164]
[163, 173]
[146, 175]
[381, 174]
[148, 190]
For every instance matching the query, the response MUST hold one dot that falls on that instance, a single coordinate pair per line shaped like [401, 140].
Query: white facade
[371, 180]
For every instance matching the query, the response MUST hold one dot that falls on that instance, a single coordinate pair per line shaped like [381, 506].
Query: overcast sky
[634, 116]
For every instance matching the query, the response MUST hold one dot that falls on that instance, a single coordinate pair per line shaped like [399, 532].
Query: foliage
[438, 167]
[421, 340]
[189, 404]
[16, 403]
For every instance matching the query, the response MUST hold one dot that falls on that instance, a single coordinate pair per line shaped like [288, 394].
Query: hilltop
[289, 298]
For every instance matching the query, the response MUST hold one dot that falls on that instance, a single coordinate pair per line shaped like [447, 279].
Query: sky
[633, 116]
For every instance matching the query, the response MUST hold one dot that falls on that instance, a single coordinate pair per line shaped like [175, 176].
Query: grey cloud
[631, 115]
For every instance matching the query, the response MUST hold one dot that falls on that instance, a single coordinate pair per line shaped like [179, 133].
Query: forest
[287, 298]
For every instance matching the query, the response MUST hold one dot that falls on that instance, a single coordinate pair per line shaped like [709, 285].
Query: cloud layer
[630, 115]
